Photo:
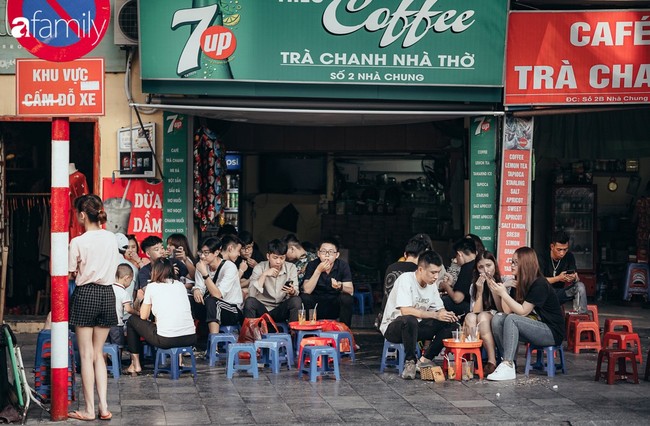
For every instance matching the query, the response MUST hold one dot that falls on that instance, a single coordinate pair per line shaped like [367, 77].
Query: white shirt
[227, 282]
[121, 298]
[171, 307]
[407, 292]
[94, 255]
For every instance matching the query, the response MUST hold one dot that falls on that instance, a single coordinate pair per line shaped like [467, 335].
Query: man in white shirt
[274, 286]
[414, 311]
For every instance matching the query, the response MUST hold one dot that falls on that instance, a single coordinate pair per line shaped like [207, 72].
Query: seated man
[274, 286]
[414, 311]
[457, 298]
[249, 257]
[300, 257]
[558, 265]
[328, 283]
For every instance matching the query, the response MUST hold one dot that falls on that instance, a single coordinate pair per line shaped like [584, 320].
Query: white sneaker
[504, 371]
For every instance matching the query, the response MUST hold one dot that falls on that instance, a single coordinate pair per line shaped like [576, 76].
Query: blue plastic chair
[113, 351]
[174, 369]
[340, 336]
[325, 353]
[550, 366]
[392, 348]
[286, 343]
[270, 351]
[363, 303]
[218, 347]
[233, 359]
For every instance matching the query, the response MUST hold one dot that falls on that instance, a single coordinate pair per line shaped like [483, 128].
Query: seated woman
[483, 306]
[533, 316]
[179, 247]
[166, 298]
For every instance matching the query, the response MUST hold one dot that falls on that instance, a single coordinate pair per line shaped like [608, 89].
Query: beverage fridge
[233, 179]
[574, 211]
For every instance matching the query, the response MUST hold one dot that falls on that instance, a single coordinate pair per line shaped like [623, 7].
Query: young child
[123, 277]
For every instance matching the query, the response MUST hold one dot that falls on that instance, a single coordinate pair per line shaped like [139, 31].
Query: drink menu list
[175, 203]
[515, 190]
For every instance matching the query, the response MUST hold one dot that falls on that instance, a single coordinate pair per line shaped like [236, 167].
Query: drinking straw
[126, 190]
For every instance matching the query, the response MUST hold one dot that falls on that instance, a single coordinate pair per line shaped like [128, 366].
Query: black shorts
[93, 305]
[222, 312]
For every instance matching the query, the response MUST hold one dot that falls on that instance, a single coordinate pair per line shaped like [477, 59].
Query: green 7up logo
[216, 41]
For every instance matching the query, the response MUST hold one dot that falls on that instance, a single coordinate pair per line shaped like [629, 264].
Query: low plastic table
[461, 348]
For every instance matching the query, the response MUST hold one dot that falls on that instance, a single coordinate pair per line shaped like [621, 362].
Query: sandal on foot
[106, 416]
[78, 416]
[489, 368]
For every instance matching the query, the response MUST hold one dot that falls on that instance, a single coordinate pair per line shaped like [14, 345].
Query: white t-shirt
[121, 298]
[407, 292]
[171, 307]
[94, 255]
[227, 281]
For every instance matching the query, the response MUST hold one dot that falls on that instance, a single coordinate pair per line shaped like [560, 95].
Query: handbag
[252, 329]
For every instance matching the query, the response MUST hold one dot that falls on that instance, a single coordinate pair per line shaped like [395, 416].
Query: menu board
[514, 205]
[175, 203]
[482, 180]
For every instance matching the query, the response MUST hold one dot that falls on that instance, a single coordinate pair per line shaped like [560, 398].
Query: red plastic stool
[612, 323]
[647, 367]
[591, 328]
[592, 311]
[459, 353]
[571, 320]
[612, 356]
[624, 339]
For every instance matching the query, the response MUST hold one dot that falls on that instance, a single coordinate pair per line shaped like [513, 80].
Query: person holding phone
[273, 286]
[558, 265]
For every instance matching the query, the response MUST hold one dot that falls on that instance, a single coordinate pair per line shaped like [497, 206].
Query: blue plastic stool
[148, 351]
[174, 369]
[270, 350]
[340, 336]
[302, 334]
[325, 353]
[283, 326]
[113, 351]
[550, 367]
[398, 362]
[229, 329]
[218, 347]
[286, 343]
[233, 359]
[363, 303]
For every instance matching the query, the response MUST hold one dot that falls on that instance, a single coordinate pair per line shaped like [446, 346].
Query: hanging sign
[176, 210]
[514, 204]
[58, 30]
[578, 57]
[60, 89]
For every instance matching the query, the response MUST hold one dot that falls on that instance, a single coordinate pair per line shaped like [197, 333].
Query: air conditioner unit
[125, 22]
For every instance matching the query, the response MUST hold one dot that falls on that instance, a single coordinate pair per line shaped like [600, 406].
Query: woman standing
[92, 261]
[483, 305]
[534, 315]
[166, 298]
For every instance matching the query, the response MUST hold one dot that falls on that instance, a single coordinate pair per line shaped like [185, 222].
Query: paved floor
[365, 396]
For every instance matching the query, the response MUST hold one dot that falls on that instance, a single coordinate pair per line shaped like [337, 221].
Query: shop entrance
[25, 148]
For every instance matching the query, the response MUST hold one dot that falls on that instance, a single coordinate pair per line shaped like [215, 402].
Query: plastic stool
[612, 323]
[647, 367]
[233, 359]
[339, 336]
[613, 356]
[230, 329]
[575, 341]
[325, 354]
[270, 350]
[287, 344]
[305, 333]
[363, 303]
[636, 280]
[550, 366]
[398, 362]
[283, 326]
[571, 320]
[315, 341]
[174, 368]
[459, 353]
[592, 311]
[218, 346]
[624, 339]
[113, 351]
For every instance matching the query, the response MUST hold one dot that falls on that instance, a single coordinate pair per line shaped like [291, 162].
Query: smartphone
[288, 284]
[570, 272]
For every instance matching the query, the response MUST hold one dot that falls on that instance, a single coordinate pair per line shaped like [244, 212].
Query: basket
[433, 373]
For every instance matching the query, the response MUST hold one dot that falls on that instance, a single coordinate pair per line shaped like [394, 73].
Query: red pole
[59, 266]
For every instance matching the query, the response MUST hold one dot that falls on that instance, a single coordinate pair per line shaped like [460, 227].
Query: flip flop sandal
[78, 416]
[106, 416]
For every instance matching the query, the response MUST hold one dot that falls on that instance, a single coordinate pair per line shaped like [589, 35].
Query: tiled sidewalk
[364, 396]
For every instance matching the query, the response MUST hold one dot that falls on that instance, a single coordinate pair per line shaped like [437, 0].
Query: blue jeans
[508, 329]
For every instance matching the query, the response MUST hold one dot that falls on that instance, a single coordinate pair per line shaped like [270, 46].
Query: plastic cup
[117, 215]
[473, 334]
[456, 335]
[301, 316]
[312, 316]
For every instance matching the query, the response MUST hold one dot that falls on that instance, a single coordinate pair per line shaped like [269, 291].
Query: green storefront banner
[175, 202]
[445, 43]
[482, 180]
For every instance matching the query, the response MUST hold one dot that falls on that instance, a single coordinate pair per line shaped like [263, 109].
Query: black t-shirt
[257, 256]
[547, 265]
[144, 275]
[547, 306]
[393, 272]
[340, 272]
[463, 284]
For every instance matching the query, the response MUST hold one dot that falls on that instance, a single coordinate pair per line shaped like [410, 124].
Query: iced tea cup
[456, 335]
[473, 334]
[301, 316]
[312, 316]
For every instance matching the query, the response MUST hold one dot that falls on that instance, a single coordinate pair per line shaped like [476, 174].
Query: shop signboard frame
[135, 156]
[582, 57]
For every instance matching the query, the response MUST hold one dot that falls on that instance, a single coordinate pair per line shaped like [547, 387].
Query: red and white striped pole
[60, 211]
